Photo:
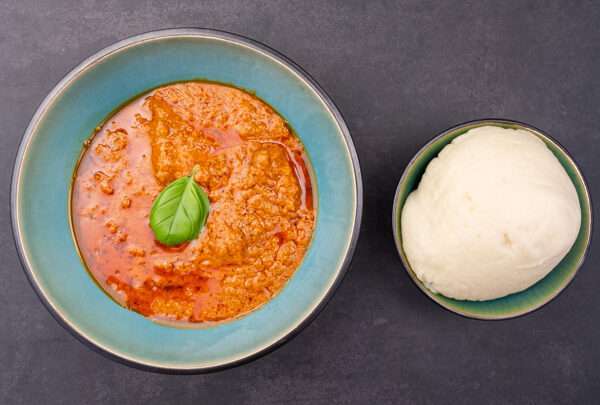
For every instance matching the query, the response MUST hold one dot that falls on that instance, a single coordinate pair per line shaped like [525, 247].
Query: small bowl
[543, 291]
[53, 142]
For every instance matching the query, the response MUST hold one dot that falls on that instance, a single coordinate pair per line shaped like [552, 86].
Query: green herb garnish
[180, 211]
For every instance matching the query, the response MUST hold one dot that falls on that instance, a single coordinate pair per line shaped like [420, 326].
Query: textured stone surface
[400, 71]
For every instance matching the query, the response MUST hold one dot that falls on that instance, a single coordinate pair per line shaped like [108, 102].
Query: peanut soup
[253, 169]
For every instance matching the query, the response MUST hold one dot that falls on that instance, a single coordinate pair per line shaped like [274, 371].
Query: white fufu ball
[493, 214]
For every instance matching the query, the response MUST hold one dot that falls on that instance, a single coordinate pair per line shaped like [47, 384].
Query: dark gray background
[400, 72]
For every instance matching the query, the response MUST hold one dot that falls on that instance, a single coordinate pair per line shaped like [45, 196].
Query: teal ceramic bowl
[540, 293]
[85, 97]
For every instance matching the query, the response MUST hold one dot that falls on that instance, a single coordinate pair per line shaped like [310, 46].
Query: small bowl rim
[135, 40]
[396, 212]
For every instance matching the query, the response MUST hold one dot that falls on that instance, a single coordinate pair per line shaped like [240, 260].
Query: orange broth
[252, 167]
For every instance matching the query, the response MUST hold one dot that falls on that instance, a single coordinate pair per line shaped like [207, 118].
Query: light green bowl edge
[536, 296]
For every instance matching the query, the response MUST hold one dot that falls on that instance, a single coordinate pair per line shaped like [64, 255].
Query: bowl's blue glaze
[51, 147]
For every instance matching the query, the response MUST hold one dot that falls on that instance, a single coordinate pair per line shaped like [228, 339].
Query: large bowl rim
[136, 40]
[396, 213]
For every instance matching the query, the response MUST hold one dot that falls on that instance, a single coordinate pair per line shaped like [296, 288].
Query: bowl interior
[52, 145]
[540, 293]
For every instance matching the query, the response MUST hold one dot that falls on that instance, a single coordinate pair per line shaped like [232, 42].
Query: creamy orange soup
[254, 171]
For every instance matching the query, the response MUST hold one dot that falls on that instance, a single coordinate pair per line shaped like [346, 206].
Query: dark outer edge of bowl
[396, 229]
[157, 35]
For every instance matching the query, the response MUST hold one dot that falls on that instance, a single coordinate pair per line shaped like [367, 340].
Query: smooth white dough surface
[493, 214]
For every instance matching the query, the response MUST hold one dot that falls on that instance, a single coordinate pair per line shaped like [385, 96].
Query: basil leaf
[180, 211]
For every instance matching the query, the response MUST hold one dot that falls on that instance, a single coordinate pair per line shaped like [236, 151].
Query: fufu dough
[493, 214]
